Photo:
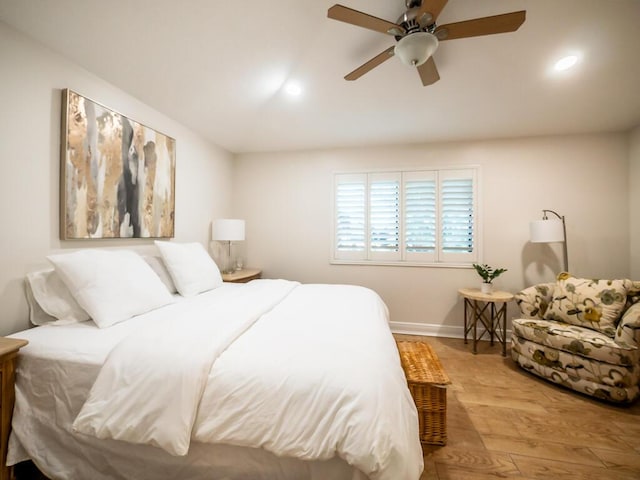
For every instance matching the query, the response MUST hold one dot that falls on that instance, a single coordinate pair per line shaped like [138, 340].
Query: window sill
[379, 263]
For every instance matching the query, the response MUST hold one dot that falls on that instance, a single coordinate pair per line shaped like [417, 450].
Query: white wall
[31, 79]
[634, 202]
[286, 199]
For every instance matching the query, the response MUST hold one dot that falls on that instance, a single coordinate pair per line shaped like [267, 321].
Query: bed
[271, 379]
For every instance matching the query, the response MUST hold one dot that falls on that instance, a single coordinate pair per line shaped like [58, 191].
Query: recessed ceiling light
[293, 89]
[566, 63]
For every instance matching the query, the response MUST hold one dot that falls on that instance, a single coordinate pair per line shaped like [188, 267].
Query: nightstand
[8, 350]
[242, 276]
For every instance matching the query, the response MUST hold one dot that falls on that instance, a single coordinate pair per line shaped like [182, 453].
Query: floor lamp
[549, 231]
[228, 230]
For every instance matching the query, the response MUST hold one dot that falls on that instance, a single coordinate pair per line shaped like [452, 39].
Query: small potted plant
[488, 274]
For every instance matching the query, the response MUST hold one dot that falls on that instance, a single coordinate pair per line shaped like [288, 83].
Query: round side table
[488, 309]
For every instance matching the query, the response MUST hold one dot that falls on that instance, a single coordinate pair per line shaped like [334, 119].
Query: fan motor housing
[411, 23]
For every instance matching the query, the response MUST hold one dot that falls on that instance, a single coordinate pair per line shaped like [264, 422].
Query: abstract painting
[117, 177]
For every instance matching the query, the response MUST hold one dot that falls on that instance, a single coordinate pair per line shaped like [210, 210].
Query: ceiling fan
[418, 34]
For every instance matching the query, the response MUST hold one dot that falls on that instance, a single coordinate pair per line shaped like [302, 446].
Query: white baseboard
[432, 330]
[427, 329]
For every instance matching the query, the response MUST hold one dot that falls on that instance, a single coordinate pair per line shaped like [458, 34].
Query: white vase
[486, 287]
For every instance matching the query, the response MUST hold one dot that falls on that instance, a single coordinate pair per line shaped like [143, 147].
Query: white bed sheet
[57, 369]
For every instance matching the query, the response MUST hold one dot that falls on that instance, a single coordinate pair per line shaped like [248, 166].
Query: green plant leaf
[487, 272]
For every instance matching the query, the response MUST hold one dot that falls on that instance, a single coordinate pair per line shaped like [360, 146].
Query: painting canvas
[117, 175]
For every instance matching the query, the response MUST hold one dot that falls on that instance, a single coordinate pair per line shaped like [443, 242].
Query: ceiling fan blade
[508, 22]
[354, 17]
[428, 72]
[371, 64]
[434, 7]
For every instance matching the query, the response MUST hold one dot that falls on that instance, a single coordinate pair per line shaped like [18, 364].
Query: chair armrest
[633, 294]
[533, 301]
[628, 331]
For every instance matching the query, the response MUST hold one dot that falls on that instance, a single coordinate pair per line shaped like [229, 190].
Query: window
[406, 217]
[351, 201]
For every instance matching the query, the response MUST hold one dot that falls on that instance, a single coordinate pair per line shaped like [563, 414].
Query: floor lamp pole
[564, 232]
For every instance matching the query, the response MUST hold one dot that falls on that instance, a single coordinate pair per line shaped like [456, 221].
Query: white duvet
[149, 388]
[304, 371]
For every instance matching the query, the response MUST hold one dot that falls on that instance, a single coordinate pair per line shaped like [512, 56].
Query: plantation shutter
[458, 236]
[420, 216]
[350, 217]
[384, 216]
[417, 217]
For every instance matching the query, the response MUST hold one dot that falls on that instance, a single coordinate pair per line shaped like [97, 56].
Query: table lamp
[228, 230]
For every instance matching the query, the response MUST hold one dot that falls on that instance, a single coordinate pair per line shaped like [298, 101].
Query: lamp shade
[228, 229]
[416, 48]
[546, 231]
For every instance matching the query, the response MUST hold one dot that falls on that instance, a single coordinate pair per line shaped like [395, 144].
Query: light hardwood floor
[503, 422]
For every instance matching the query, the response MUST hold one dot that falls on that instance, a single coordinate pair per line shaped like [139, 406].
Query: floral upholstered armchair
[583, 334]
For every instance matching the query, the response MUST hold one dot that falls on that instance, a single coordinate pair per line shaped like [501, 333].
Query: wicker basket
[427, 383]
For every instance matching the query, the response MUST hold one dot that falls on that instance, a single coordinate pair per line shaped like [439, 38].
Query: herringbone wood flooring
[503, 422]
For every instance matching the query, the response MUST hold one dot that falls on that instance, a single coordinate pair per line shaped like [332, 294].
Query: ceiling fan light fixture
[416, 48]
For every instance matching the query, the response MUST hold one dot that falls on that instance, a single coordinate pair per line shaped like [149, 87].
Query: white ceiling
[219, 68]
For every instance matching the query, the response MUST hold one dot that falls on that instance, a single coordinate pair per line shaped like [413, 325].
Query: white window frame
[438, 258]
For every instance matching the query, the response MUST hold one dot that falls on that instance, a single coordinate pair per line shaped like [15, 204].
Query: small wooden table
[8, 351]
[242, 276]
[482, 307]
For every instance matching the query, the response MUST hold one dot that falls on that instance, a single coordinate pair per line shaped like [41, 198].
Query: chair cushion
[534, 301]
[614, 383]
[628, 331]
[576, 340]
[593, 304]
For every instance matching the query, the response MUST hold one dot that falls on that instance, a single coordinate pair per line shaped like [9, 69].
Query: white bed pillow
[111, 285]
[191, 268]
[50, 301]
[158, 266]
